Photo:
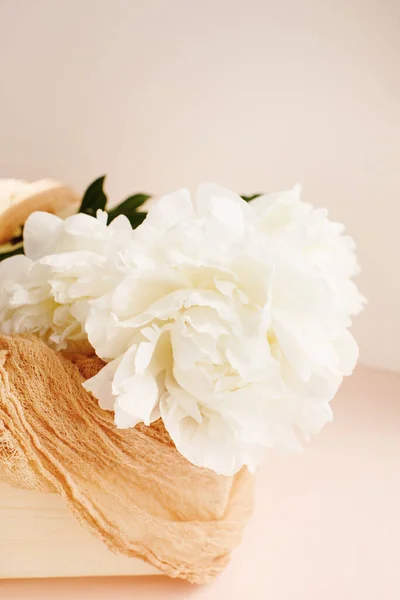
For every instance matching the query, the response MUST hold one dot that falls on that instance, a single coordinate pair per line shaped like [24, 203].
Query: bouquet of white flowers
[226, 317]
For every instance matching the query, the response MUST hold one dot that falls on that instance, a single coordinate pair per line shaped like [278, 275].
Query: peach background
[326, 524]
[255, 94]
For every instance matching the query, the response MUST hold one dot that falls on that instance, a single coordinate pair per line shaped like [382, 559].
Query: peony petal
[266, 201]
[41, 233]
[101, 385]
[121, 225]
[84, 225]
[102, 216]
[123, 419]
[141, 399]
[137, 292]
[105, 333]
[14, 269]
[347, 352]
[209, 443]
[163, 308]
[225, 212]
[205, 320]
[167, 212]
[300, 348]
[207, 193]
[71, 261]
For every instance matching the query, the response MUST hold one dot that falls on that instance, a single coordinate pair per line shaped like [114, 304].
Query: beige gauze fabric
[129, 487]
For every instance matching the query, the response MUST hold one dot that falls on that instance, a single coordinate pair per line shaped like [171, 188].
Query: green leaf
[137, 219]
[5, 251]
[129, 206]
[94, 198]
[249, 198]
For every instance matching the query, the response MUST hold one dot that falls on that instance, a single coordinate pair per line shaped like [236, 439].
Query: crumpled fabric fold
[131, 487]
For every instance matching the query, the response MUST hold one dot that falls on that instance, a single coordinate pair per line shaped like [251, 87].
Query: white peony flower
[229, 320]
[67, 263]
[322, 242]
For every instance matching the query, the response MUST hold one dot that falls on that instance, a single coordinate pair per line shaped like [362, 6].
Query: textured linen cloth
[129, 487]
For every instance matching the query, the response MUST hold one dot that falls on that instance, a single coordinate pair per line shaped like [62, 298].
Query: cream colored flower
[228, 322]
[68, 263]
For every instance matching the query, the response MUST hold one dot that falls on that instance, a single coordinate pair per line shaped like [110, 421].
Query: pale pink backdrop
[326, 525]
[253, 94]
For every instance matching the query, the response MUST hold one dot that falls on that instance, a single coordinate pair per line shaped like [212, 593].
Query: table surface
[326, 524]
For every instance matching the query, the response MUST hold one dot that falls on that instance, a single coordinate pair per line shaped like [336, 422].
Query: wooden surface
[326, 524]
[39, 537]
